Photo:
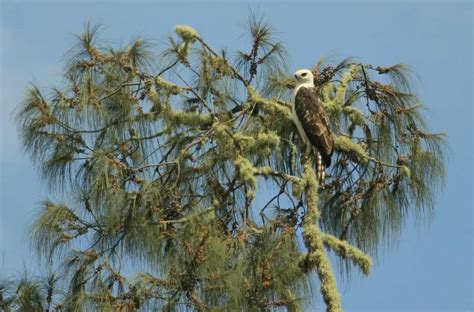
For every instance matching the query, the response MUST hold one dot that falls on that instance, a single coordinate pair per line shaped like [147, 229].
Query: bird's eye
[304, 74]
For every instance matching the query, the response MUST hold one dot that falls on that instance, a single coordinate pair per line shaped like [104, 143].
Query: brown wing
[315, 122]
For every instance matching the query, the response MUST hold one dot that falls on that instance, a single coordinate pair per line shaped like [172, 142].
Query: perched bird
[312, 121]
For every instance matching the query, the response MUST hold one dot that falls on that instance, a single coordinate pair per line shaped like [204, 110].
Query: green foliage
[29, 293]
[167, 172]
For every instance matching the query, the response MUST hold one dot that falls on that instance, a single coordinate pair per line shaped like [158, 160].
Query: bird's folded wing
[315, 122]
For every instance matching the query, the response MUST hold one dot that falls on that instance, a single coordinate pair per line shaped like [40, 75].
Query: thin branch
[167, 68]
[236, 73]
[267, 171]
[118, 90]
[140, 169]
[188, 218]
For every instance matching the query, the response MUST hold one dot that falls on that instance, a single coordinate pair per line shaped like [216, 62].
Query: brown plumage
[315, 122]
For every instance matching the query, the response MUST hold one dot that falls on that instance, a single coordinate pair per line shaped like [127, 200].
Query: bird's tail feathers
[320, 169]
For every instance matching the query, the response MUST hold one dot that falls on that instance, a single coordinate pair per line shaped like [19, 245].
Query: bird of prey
[311, 121]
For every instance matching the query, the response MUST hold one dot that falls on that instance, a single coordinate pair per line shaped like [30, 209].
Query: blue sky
[431, 268]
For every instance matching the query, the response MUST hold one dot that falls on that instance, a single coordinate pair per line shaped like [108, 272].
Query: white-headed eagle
[312, 121]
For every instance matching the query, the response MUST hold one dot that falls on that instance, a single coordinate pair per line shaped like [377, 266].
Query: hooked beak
[296, 76]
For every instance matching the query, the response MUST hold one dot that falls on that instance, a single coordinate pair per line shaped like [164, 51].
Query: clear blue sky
[431, 269]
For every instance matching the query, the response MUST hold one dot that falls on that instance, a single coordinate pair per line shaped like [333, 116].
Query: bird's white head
[304, 76]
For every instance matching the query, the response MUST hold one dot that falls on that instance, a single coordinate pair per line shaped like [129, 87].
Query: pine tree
[185, 168]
